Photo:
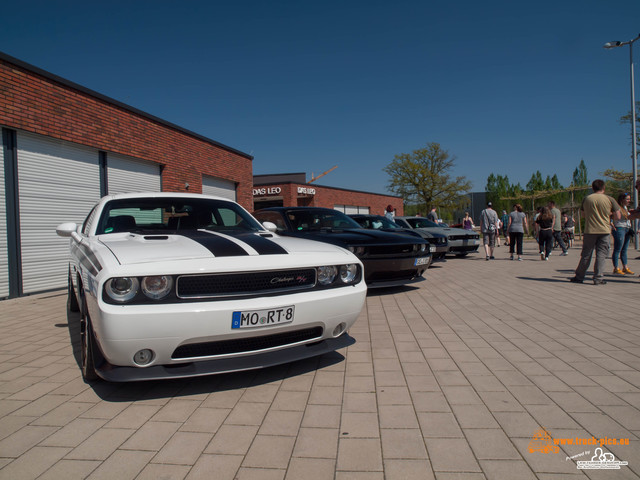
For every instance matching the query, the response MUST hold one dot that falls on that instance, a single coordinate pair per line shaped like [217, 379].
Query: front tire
[72, 300]
[87, 346]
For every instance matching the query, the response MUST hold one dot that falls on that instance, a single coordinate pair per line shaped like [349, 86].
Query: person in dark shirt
[545, 232]
[432, 215]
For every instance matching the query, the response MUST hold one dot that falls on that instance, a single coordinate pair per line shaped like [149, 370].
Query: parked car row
[461, 242]
[172, 285]
[378, 222]
[389, 259]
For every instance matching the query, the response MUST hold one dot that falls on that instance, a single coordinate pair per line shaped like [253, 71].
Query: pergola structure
[535, 195]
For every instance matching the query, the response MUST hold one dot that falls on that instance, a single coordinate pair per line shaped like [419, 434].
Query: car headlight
[423, 247]
[157, 287]
[348, 273]
[122, 289]
[326, 275]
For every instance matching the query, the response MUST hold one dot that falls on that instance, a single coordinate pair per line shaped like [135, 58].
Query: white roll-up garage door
[218, 187]
[127, 175]
[58, 182]
[351, 209]
[4, 254]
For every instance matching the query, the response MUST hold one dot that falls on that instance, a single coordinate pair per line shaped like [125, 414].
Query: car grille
[408, 250]
[237, 284]
[244, 345]
[463, 237]
[389, 276]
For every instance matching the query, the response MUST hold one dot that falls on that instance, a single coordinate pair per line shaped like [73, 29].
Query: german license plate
[262, 318]
[421, 261]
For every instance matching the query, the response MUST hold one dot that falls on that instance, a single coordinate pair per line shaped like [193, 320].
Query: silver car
[461, 241]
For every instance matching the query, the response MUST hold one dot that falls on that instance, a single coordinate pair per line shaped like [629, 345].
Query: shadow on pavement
[158, 389]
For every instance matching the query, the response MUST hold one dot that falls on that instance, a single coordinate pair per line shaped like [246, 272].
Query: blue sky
[508, 87]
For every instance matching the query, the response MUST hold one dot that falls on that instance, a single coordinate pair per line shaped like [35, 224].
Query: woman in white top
[621, 236]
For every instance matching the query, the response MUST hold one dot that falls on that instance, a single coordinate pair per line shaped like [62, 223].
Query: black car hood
[356, 237]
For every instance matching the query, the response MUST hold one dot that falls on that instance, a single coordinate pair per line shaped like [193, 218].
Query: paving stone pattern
[449, 379]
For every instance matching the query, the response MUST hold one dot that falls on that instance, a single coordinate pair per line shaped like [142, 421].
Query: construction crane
[313, 179]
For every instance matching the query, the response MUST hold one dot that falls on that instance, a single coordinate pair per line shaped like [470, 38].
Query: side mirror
[270, 226]
[66, 229]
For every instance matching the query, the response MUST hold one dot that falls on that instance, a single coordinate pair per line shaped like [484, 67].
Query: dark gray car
[461, 242]
[437, 242]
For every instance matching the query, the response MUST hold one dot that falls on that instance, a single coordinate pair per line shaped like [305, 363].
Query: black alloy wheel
[72, 301]
[87, 345]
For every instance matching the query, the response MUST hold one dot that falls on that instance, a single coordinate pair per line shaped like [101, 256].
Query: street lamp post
[634, 154]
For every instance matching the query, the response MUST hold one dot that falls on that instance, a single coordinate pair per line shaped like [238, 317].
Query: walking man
[557, 227]
[505, 222]
[489, 226]
[597, 207]
[432, 215]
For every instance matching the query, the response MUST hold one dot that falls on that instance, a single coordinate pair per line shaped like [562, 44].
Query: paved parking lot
[457, 378]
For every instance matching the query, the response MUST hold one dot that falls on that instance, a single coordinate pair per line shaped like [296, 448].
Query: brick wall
[328, 197]
[377, 203]
[34, 103]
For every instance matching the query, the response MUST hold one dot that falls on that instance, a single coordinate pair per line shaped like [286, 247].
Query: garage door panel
[219, 187]
[4, 252]
[129, 175]
[58, 182]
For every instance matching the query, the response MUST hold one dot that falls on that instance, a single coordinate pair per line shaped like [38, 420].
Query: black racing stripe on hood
[219, 246]
[262, 245]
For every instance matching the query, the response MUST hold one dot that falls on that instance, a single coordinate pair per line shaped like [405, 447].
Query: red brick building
[64, 146]
[292, 190]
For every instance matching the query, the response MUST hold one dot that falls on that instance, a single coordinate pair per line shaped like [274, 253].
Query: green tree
[619, 181]
[423, 177]
[580, 178]
[535, 183]
[497, 188]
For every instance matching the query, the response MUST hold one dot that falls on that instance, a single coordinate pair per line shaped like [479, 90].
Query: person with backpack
[489, 226]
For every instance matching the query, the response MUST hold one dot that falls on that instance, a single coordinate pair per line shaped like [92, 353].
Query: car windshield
[421, 223]
[377, 222]
[170, 214]
[308, 220]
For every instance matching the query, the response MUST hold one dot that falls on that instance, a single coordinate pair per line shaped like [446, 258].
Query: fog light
[339, 330]
[143, 357]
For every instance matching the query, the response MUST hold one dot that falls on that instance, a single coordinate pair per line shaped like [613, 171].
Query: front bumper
[114, 373]
[387, 272]
[464, 246]
[121, 331]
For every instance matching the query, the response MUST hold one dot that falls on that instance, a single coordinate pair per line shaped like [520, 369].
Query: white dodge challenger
[174, 285]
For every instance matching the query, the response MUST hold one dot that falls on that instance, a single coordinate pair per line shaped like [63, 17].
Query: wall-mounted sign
[259, 192]
[307, 190]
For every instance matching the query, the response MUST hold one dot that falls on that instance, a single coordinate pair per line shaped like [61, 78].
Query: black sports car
[437, 242]
[389, 259]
